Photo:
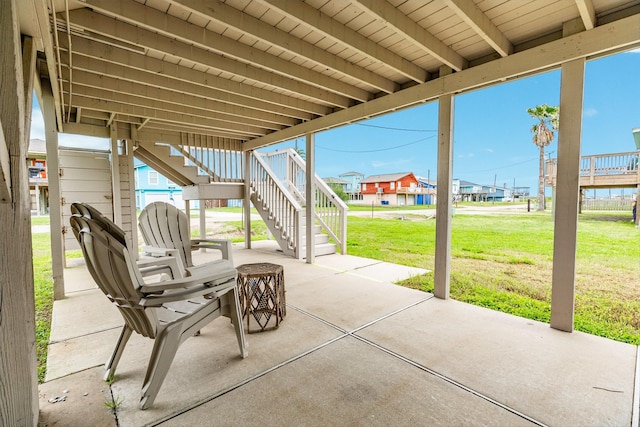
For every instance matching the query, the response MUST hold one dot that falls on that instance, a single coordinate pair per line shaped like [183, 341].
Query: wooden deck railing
[603, 170]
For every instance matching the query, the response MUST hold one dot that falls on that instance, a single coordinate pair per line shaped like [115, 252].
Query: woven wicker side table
[261, 288]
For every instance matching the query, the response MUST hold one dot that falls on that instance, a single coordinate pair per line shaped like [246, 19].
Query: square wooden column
[246, 205]
[310, 195]
[567, 196]
[53, 179]
[444, 203]
[18, 369]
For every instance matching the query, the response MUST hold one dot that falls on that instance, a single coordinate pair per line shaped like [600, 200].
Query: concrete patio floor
[353, 350]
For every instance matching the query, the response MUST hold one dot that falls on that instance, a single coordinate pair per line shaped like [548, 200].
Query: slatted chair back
[164, 226]
[88, 211]
[114, 270]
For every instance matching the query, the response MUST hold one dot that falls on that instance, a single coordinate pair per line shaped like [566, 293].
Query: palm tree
[548, 120]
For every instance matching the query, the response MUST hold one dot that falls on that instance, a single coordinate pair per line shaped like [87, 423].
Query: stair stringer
[282, 236]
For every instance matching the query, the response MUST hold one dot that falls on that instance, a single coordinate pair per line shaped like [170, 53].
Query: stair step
[318, 238]
[322, 249]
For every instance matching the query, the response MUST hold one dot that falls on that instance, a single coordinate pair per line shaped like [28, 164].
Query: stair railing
[282, 210]
[220, 158]
[330, 210]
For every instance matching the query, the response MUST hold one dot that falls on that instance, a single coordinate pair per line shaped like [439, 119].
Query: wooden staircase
[169, 163]
[278, 200]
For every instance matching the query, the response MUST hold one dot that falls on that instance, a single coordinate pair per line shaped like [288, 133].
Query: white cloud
[637, 50]
[590, 112]
[380, 164]
[488, 150]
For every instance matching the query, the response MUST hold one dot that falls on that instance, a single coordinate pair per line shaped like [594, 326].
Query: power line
[373, 151]
[503, 167]
[400, 129]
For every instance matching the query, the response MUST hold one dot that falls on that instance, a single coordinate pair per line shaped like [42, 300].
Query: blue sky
[492, 130]
[492, 137]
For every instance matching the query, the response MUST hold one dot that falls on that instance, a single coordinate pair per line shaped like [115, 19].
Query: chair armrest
[162, 256]
[223, 245]
[209, 278]
[156, 265]
[211, 292]
[157, 252]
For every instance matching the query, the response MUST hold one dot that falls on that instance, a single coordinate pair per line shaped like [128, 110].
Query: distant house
[353, 187]
[337, 181]
[471, 192]
[430, 197]
[38, 181]
[498, 194]
[395, 189]
[151, 187]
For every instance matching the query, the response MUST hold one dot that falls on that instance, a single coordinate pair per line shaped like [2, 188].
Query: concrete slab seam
[84, 335]
[369, 265]
[338, 270]
[452, 381]
[319, 319]
[245, 381]
[635, 409]
[393, 313]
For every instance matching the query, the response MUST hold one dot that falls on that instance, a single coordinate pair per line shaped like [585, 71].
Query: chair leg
[112, 363]
[164, 350]
[236, 319]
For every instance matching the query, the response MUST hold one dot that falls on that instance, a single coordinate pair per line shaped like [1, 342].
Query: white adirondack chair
[167, 311]
[165, 227]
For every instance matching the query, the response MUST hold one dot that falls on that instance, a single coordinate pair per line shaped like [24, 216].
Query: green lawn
[43, 288]
[504, 262]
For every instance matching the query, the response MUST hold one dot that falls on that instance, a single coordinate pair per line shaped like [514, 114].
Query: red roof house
[395, 189]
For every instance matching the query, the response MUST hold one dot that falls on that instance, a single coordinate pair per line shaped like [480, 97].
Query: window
[153, 178]
[392, 185]
[364, 186]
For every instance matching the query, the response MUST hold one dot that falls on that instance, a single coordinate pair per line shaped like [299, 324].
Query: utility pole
[495, 177]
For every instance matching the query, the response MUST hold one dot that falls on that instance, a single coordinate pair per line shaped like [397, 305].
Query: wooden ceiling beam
[121, 63]
[312, 18]
[402, 24]
[154, 103]
[587, 13]
[91, 101]
[191, 41]
[134, 88]
[482, 25]
[234, 18]
[95, 22]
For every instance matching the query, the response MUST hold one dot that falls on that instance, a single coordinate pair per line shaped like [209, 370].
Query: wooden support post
[567, 193]
[310, 196]
[441, 274]
[128, 189]
[53, 178]
[187, 210]
[246, 206]
[203, 221]
[18, 369]
[116, 201]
